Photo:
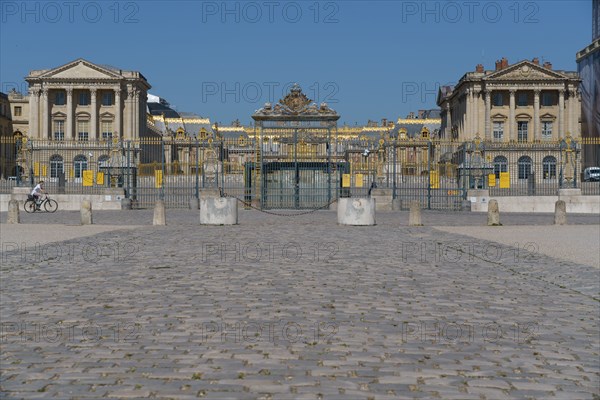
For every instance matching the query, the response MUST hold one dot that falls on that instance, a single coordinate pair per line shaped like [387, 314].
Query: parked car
[591, 174]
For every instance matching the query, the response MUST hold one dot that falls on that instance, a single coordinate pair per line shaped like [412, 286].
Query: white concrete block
[218, 210]
[356, 211]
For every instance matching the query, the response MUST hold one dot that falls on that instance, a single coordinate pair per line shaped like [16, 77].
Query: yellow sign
[36, 168]
[358, 180]
[158, 178]
[44, 170]
[100, 178]
[345, 180]
[88, 178]
[504, 180]
[491, 180]
[434, 179]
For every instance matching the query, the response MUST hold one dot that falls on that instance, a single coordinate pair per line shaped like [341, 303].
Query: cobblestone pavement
[295, 308]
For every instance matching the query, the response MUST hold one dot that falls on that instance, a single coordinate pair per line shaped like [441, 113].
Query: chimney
[504, 62]
[479, 68]
[498, 65]
[411, 115]
[383, 121]
[421, 114]
[536, 61]
[548, 65]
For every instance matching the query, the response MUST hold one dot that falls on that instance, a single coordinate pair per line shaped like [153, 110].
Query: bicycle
[32, 206]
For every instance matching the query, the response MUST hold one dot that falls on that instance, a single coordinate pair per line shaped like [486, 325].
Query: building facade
[6, 147]
[83, 101]
[516, 116]
[76, 118]
[524, 102]
[588, 66]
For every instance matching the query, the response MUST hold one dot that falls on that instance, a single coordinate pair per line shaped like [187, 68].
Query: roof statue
[295, 103]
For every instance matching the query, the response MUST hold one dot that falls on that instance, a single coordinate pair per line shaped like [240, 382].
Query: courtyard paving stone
[295, 308]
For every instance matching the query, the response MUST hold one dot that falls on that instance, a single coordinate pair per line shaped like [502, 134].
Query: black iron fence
[300, 175]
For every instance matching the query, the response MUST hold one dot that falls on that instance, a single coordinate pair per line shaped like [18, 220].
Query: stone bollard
[13, 212]
[159, 213]
[86, 212]
[493, 218]
[396, 204]
[414, 217]
[560, 212]
[215, 210]
[356, 211]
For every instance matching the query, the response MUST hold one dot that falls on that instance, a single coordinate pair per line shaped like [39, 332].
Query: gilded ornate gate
[296, 166]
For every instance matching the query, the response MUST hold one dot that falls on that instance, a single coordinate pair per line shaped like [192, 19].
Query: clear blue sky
[224, 60]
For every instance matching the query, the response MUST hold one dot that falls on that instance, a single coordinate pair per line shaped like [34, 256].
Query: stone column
[469, 112]
[571, 127]
[476, 111]
[94, 115]
[136, 114]
[70, 122]
[45, 116]
[512, 133]
[488, 112]
[537, 125]
[34, 102]
[561, 113]
[129, 111]
[118, 112]
[449, 117]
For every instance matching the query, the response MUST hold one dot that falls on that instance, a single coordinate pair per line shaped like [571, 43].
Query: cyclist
[37, 192]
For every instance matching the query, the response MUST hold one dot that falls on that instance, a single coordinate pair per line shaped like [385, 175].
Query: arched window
[80, 164]
[524, 165]
[549, 167]
[500, 165]
[56, 166]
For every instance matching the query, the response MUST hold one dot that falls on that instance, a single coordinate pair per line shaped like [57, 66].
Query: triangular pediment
[106, 115]
[548, 116]
[80, 69]
[525, 70]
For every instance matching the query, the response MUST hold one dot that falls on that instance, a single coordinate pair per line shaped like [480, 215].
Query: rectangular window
[107, 98]
[83, 130]
[59, 98]
[84, 98]
[59, 130]
[547, 99]
[18, 111]
[546, 130]
[498, 130]
[497, 99]
[522, 131]
[522, 99]
[106, 130]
